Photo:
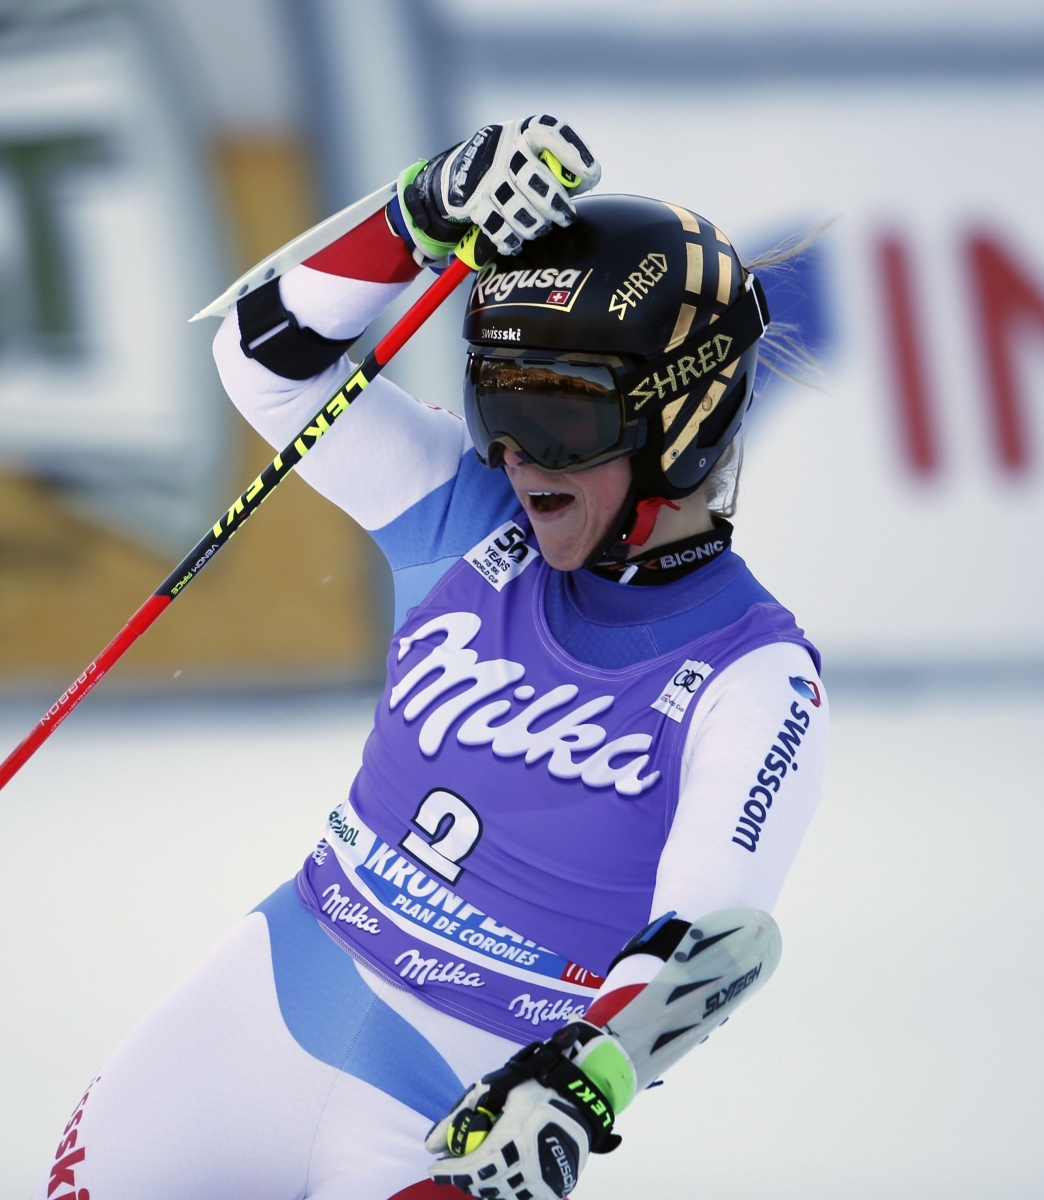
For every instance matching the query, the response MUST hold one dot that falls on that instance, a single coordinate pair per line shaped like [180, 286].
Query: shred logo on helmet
[652, 354]
[650, 271]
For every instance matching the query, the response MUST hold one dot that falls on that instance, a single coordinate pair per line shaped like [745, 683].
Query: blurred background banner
[150, 151]
[131, 191]
[105, 236]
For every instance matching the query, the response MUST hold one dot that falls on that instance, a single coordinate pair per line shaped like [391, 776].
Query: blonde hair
[721, 487]
[781, 353]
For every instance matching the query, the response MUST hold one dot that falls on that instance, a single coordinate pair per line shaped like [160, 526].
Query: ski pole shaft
[247, 503]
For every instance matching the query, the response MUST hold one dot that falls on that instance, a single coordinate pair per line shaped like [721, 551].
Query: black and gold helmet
[634, 331]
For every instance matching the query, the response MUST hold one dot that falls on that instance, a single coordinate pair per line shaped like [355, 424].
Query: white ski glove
[525, 1132]
[498, 181]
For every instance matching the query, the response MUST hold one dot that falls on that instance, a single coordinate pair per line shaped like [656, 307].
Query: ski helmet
[633, 331]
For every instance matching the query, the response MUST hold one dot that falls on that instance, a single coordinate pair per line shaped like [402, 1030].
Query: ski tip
[297, 250]
[219, 307]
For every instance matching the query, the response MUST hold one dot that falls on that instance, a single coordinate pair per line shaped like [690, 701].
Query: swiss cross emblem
[558, 298]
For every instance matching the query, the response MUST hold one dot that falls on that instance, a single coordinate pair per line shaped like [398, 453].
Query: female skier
[594, 715]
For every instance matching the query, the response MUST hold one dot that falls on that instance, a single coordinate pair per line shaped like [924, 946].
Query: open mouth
[549, 502]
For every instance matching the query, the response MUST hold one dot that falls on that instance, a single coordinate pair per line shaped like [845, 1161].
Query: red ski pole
[250, 500]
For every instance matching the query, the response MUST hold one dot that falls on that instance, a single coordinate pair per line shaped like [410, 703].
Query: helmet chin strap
[645, 514]
[633, 527]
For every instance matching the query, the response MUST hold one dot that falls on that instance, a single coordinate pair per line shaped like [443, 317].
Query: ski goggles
[561, 414]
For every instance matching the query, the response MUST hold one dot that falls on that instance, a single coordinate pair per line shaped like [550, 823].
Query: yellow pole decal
[255, 487]
[236, 508]
[338, 404]
[341, 401]
[466, 247]
[564, 176]
[316, 431]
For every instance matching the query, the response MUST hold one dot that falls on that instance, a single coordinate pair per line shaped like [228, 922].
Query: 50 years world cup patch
[502, 556]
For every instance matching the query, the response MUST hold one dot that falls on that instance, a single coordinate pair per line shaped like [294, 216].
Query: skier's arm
[532, 1124]
[751, 778]
[403, 469]
[388, 452]
[386, 437]
[394, 463]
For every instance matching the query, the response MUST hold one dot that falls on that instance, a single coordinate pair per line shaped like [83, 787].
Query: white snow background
[897, 1052]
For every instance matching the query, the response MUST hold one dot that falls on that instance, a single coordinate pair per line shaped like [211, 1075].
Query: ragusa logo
[450, 665]
[492, 284]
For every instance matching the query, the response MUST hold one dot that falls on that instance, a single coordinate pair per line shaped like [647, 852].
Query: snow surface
[897, 1052]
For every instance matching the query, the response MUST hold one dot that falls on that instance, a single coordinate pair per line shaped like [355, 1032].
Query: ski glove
[524, 1132]
[498, 181]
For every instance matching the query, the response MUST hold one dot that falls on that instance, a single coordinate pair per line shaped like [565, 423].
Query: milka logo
[343, 908]
[451, 664]
[536, 1011]
[494, 285]
[430, 970]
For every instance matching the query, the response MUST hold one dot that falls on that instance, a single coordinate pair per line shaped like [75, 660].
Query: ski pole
[465, 260]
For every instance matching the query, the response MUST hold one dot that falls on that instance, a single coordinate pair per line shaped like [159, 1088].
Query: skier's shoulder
[742, 588]
[754, 642]
[754, 606]
[449, 519]
[769, 666]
